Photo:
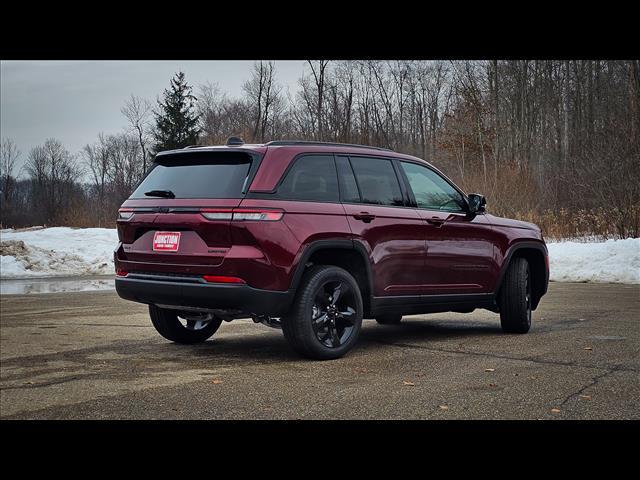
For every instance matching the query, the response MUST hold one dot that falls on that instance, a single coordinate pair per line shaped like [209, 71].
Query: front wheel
[183, 327]
[515, 298]
[325, 319]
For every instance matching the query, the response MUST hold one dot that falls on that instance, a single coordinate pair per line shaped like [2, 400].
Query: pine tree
[177, 122]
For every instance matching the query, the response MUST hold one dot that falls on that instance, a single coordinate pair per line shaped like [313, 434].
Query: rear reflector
[121, 273]
[241, 214]
[222, 279]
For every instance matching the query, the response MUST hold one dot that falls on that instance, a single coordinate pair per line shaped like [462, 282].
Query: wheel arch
[348, 254]
[536, 255]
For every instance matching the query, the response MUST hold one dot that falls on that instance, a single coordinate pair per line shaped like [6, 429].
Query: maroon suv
[312, 238]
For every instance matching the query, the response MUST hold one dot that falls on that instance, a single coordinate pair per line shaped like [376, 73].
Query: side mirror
[476, 202]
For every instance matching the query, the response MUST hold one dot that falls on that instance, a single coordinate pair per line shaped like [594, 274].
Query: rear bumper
[205, 295]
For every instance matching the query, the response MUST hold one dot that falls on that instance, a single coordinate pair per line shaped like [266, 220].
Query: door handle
[436, 221]
[366, 217]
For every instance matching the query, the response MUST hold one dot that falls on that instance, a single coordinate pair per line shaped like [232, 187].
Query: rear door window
[312, 177]
[198, 176]
[377, 181]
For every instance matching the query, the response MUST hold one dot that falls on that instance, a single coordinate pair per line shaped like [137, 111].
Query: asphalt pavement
[91, 355]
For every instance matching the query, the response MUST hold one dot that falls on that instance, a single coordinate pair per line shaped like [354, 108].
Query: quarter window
[312, 177]
[430, 190]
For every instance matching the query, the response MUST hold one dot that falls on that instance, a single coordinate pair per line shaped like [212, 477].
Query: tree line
[551, 141]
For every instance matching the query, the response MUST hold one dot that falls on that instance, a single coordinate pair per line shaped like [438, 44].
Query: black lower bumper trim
[213, 296]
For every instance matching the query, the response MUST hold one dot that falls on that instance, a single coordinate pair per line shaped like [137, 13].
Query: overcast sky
[73, 101]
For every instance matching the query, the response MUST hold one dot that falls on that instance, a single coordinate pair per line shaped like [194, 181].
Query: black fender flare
[343, 243]
[522, 245]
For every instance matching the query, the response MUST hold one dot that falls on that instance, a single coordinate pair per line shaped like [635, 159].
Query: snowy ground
[58, 251]
[612, 261]
[65, 252]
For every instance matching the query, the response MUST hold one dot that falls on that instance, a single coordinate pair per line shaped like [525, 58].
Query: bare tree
[138, 112]
[263, 98]
[54, 174]
[97, 159]
[9, 153]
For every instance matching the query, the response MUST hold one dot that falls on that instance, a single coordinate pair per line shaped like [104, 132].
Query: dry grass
[599, 222]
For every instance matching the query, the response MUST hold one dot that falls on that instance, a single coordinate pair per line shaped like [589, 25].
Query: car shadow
[421, 331]
[273, 346]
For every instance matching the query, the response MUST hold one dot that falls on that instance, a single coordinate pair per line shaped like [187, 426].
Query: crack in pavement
[594, 381]
[43, 384]
[507, 357]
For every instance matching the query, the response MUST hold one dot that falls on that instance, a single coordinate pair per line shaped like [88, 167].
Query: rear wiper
[160, 193]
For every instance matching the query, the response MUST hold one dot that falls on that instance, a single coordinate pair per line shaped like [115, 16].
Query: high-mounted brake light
[125, 213]
[241, 214]
[222, 279]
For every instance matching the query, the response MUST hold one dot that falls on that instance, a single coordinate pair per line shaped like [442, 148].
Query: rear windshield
[198, 176]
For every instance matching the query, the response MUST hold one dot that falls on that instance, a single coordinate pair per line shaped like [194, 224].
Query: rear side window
[312, 177]
[198, 176]
[377, 181]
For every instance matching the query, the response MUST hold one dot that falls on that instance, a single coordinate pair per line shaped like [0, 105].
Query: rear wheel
[325, 319]
[390, 319]
[515, 298]
[183, 327]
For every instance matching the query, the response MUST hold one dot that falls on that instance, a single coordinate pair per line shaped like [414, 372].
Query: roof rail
[276, 143]
[193, 146]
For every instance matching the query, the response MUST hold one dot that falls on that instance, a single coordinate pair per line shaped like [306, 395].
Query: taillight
[241, 214]
[125, 213]
[216, 213]
[222, 279]
[259, 215]
[121, 273]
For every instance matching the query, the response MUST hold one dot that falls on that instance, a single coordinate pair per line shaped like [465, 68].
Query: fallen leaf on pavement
[555, 410]
[588, 348]
[443, 407]
[489, 369]
[411, 384]
[492, 385]
[586, 397]
[216, 381]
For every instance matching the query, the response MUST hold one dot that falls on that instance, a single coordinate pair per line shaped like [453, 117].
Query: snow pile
[58, 251]
[63, 251]
[613, 261]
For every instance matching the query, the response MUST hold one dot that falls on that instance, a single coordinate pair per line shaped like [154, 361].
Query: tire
[389, 319]
[515, 298]
[336, 327]
[169, 326]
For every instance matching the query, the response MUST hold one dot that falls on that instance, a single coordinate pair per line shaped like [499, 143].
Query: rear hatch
[172, 198]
